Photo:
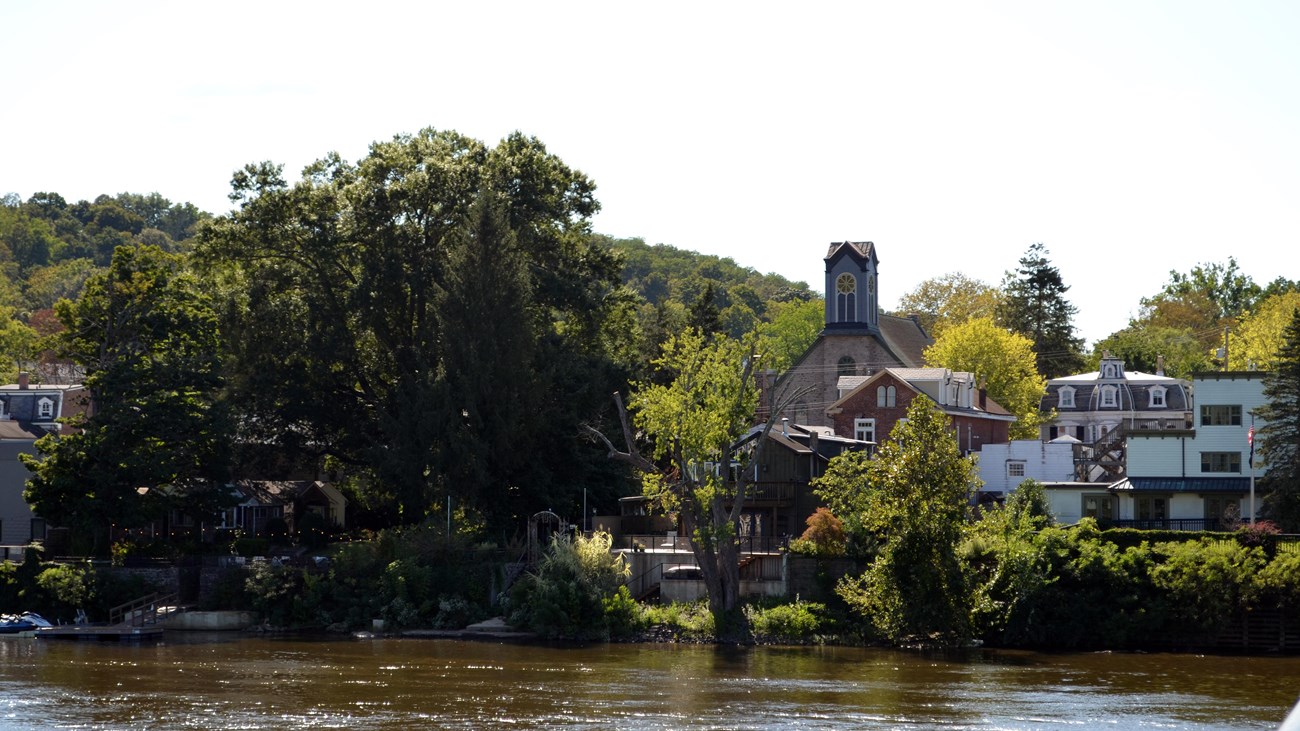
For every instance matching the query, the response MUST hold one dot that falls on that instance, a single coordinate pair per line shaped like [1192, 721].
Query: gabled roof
[905, 338]
[278, 492]
[856, 249]
[911, 376]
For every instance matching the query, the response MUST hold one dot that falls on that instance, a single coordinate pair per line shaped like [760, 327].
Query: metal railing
[147, 610]
[661, 542]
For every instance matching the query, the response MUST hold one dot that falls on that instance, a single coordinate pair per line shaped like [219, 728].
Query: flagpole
[1250, 438]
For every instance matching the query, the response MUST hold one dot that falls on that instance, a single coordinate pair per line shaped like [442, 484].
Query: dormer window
[1158, 397]
[45, 408]
[1066, 397]
[1109, 397]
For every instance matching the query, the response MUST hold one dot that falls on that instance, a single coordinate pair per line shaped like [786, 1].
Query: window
[1066, 397]
[45, 408]
[1220, 415]
[847, 366]
[890, 395]
[38, 529]
[846, 298]
[1151, 508]
[1109, 397]
[1221, 462]
[1157, 397]
[864, 430]
[1101, 507]
[880, 396]
[1015, 469]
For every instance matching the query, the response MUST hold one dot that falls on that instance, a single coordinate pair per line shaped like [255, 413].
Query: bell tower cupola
[852, 294]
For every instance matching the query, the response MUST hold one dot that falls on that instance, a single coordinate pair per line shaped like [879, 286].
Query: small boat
[26, 622]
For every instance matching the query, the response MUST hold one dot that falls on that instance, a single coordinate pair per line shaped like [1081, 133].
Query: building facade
[856, 340]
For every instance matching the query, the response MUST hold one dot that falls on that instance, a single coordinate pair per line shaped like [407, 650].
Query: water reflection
[254, 683]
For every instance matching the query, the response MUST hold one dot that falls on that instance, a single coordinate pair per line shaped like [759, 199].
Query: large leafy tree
[1228, 290]
[951, 299]
[1261, 333]
[1279, 438]
[1002, 361]
[792, 330]
[695, 421]
[1035, 306]
[913, 499]
[1142, 344]
[146, 334]
[414, 316]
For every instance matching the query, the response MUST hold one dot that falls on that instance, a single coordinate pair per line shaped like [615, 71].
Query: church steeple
[851, 291]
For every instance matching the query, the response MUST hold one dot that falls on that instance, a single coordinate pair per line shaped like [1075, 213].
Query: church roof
[858, 249]
[905, 338]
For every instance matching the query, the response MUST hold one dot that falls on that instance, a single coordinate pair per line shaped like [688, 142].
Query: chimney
[785, 423]
[813, 436]
[1160, 365]
[22, 380]
[984, 400]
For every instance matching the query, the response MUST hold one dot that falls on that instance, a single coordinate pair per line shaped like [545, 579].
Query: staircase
[1107, 462]
[147, 611]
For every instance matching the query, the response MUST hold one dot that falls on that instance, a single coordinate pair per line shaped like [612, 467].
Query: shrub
[796, 621]
[565, 598]
[825, 536]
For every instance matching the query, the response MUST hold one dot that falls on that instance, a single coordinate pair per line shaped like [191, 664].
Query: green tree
[1229, 291]
[146, 334]
[1003, 361]
[915, 500]
[791, 331]
[1261, 333]
[699, 424]
[1034, 305]
[1279, 438]
[1143, 343]
[341, 320]
[951, 299]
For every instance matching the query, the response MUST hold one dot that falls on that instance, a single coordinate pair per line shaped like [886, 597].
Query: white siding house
[1004, 466]
[1200, 477]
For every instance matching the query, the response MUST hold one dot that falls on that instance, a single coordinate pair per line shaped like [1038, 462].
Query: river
[241, 682]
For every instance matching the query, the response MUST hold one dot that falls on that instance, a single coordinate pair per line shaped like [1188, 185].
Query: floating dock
[109, 633]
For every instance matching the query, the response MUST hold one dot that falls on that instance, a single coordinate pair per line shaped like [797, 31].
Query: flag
[1250, 439]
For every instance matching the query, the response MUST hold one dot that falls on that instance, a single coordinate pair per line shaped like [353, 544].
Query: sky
[1130, 138]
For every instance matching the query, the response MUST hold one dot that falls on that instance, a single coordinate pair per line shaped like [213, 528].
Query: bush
[566, 597]
[685, 620]
[794, 622]
[824, 537]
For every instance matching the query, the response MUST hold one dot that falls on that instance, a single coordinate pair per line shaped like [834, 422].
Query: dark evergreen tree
[1279, 437]
[704, 315]
[1035, 306]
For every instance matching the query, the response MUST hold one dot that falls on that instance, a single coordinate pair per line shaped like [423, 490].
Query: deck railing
[748, 544]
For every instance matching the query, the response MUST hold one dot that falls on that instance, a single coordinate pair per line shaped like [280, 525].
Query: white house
[1195, 478]
[1004, 466]
[1100, 408]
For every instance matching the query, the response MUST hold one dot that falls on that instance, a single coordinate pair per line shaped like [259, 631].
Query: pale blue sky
[1130, 138]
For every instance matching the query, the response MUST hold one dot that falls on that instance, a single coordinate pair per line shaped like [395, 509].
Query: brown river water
[229, 682]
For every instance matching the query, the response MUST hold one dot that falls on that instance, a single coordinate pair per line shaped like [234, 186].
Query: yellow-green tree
[954, 298]
[1000, 359]
[1259, 335]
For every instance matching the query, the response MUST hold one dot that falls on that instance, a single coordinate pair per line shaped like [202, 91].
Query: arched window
[846, 298]
[45, 408]
[880, 396]
[890, 396]
[847, 366]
